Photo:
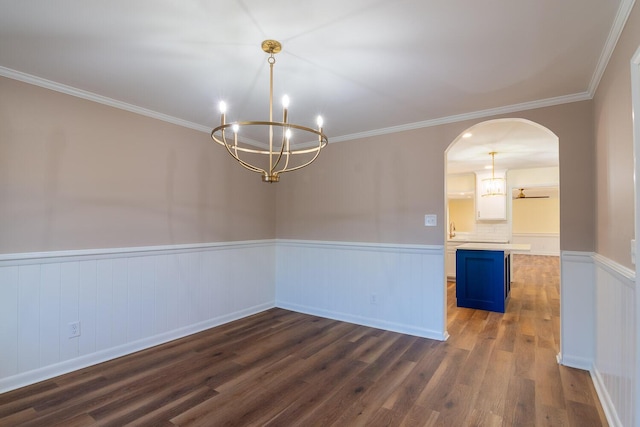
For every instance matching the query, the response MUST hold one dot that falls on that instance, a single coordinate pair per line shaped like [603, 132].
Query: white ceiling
[518, 144]
[367, 66]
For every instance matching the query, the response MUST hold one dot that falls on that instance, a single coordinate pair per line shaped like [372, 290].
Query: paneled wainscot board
[125, 300]
[394, 287]
[615, 340]
[599, 330]
[541, 243]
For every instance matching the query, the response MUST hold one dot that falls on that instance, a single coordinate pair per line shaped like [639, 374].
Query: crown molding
[584, 96]
[612, 40]
[90, 96]
[69, 90]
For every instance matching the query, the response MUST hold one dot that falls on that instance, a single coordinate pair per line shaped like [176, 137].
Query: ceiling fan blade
[521, 195]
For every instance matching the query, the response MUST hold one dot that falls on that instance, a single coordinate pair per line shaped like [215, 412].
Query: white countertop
[463, 239]
[495, 246]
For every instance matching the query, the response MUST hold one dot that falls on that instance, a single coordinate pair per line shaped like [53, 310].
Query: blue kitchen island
[483, 275]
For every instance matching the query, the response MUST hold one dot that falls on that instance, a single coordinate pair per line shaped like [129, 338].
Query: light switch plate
[430, 220]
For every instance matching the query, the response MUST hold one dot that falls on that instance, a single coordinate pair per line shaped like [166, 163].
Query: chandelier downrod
[281, 158]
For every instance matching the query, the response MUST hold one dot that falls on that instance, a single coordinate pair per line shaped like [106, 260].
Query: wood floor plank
[281, 368]
[483, 418]
[80, 420]
[518, 410]
[316, 394]
[348, 394]
[492, 393]
[549, 416]
[579, 412]
[525, 356]
[157, 414]
[420, 416]
[18, 417]
[576, 386]
[374, 396]
[434, 395]
[549, 389]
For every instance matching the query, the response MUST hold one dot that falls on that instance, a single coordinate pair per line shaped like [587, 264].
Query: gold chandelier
[493, 186]
[280, 156]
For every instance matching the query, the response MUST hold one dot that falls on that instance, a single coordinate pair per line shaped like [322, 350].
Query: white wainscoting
[541, 243]
[125, 300]
[577, 310]
[598, 329]
[395, 287]
[616, 335]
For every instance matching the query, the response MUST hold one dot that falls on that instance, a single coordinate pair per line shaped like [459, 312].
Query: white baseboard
[364, 321]
[608, 406]
[575, 362]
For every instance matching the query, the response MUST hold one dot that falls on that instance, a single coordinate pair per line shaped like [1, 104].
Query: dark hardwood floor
[281, 368]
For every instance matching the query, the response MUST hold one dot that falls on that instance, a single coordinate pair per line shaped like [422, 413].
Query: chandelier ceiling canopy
[275, 152]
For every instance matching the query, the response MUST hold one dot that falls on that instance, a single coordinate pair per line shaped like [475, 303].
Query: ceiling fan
[521, 195]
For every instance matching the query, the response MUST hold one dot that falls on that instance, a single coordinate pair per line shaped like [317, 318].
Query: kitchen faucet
[452, 229]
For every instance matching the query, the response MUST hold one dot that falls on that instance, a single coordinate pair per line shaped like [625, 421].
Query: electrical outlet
[74, 329]
[373, 299]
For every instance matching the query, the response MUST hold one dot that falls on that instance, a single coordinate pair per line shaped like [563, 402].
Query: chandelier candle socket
[277, 155]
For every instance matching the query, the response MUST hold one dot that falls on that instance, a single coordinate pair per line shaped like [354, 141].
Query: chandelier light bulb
[287, 134]
[319, 121]
[285, 101]
[223, 107]
[235, 128]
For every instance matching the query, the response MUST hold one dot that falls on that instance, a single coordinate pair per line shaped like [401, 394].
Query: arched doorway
[526, 156]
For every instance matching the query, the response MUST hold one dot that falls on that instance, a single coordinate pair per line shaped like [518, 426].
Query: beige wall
[614, 148]
[462, 213]
[75, 174]
[378, 189]
[535, 215]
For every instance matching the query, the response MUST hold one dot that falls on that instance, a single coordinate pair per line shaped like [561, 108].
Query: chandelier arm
[317, 150]
[246, 165]
[300, 166]
[284, 140]
[238, 159]
[286, 162]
